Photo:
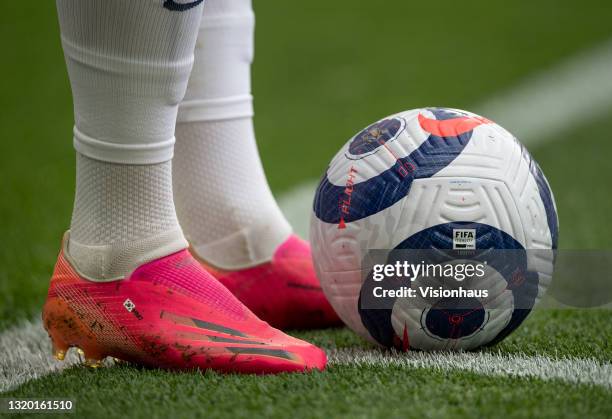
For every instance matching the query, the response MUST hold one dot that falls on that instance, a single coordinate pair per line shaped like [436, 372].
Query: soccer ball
[429, 179]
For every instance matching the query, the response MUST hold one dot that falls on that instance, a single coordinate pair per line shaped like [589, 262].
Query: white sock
[223, 200]
[128, 63]
[123, 216]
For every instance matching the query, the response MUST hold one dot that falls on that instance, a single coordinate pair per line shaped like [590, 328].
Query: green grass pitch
[323, 70]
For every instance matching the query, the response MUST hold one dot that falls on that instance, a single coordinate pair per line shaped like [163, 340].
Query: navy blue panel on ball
[442, 114]
[380, 192]
[488, 239]
[447, 322]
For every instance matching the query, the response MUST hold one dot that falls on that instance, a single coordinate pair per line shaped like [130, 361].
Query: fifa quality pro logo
[464, 238]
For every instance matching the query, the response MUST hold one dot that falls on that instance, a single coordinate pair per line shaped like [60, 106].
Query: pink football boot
[169, 313]
[284, 292]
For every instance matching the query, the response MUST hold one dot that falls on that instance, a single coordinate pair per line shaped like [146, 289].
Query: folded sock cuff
[217, 109]
[123, 152]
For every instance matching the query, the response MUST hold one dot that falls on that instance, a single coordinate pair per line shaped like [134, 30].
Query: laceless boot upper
[169, 313]
[284, 292]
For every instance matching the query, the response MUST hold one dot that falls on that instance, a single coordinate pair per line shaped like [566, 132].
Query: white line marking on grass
[539, 109]
[544, 106]
[570, 370]
[297, 206]
[26, 355]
